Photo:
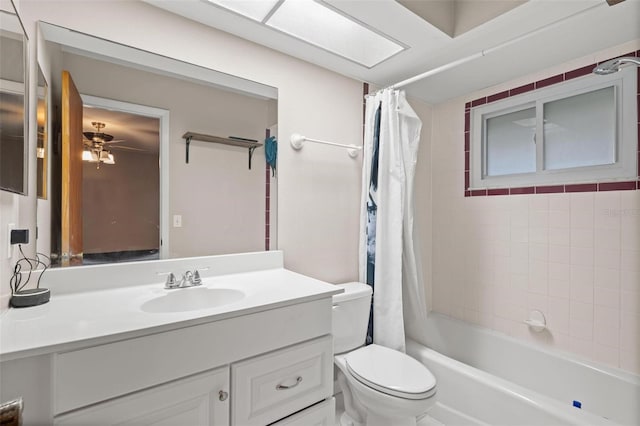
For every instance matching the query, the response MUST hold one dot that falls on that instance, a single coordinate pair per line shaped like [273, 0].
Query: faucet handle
[171, 281]
[196, 278]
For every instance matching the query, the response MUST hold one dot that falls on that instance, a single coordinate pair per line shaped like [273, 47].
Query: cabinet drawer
[275, 385]
[321, 414]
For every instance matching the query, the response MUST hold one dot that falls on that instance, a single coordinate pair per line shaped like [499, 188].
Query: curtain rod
[486, 52]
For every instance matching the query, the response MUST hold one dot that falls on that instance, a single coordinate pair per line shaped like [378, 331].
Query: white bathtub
[485, 377]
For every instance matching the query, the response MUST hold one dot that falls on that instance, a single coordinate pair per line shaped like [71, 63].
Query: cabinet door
[201, 399]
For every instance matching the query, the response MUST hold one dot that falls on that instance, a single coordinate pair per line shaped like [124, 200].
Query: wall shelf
[250, 144]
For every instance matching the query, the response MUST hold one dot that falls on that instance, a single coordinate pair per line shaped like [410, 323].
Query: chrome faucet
[189, 279]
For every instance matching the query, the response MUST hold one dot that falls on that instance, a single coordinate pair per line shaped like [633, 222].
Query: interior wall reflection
[216, 204]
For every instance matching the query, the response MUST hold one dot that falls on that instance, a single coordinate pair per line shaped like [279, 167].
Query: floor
[425, 421]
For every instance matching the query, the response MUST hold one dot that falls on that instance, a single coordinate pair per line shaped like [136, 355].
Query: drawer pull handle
[285, 387]
[222, 395]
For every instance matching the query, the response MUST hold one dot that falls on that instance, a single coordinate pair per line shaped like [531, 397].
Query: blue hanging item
[271, 152]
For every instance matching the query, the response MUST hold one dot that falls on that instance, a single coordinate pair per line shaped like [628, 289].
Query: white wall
[319, 239]
[576, 257]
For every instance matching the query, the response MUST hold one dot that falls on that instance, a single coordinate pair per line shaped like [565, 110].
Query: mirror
[137, 189]
[42, 147]
[13, 101]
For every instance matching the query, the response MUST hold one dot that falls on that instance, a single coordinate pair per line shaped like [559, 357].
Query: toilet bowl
[380, 386]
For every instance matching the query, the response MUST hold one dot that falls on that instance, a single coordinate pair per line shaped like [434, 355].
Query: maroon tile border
[498, 191]
[522, 89]
[549, 189]
[267, 200]
[498, 96]
[546, 189]
[579, 72]
[582, 187]
[617, 186]
[524, 190]
[549, 81]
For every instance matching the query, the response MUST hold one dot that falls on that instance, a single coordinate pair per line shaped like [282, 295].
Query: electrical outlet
[177, 221]
[10, 227]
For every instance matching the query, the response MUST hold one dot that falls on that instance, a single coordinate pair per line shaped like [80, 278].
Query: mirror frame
[26, 92]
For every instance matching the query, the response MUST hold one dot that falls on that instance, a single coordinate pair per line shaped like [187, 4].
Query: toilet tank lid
[352, 290]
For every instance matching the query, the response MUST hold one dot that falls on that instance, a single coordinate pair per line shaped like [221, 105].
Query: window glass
[580, 130]
[510, 143]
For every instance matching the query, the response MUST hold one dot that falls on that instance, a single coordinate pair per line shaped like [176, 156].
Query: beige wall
[319, 239]
[576, 257]
[121, 204]
[220, 200]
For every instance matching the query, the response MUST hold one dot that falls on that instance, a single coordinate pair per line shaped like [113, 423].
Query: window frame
[625, 166]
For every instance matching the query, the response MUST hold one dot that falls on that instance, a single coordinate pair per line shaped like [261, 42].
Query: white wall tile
[582, 292]
[630, 279]
[631, 302]
[607, 278]
[604, 258]
[558, 288]
[560, 236]
[606, 354]
[561, 202]
[558, 315]
[559, 219]
[607, 297]
[559, 254]
[582, 256]
[606, 327]
[582, 237]
[576, 256]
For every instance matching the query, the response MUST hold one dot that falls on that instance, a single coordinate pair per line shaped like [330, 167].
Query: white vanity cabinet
[265, 367]
[98, 357]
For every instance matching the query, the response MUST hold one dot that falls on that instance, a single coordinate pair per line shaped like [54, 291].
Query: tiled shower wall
[574, 256]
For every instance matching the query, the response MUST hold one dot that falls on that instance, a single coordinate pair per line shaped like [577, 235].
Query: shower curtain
[388, 251]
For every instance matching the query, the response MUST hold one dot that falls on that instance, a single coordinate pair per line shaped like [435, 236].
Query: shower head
[613, 65]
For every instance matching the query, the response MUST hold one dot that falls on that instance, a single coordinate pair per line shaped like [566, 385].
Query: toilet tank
[350, 316]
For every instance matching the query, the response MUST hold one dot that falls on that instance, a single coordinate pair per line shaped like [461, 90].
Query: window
[583, 130]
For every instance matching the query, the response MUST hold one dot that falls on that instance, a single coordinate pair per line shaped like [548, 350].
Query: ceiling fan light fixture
[109, 159]
[90, 156]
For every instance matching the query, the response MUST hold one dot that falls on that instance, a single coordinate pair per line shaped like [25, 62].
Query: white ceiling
[135, 133]
[538, 34]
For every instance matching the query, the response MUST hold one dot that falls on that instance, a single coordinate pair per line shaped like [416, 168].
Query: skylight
[317, 24]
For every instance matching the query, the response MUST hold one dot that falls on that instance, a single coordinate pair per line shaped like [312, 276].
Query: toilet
[380, 386]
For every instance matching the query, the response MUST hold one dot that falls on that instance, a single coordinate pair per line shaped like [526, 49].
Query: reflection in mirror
[13, 103]
[43, 135]
[135, 195]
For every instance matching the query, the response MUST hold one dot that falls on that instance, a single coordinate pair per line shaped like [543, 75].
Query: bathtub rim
[624, 375]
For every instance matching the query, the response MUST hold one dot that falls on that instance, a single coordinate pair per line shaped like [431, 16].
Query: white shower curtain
[398, 287]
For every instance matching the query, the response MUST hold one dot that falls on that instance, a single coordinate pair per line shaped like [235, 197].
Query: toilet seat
[391, 372]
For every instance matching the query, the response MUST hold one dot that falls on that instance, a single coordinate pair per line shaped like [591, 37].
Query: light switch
[177, 221]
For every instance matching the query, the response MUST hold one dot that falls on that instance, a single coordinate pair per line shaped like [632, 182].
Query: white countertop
[75, 320]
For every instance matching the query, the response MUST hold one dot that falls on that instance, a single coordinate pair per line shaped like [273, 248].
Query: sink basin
[192, 299]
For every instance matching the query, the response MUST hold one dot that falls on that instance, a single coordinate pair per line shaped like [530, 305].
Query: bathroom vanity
[142, 354]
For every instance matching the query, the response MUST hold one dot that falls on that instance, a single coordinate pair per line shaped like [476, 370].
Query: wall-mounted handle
[285, 387]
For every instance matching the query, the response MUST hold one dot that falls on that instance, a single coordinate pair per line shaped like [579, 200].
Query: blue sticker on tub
[577, 404]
